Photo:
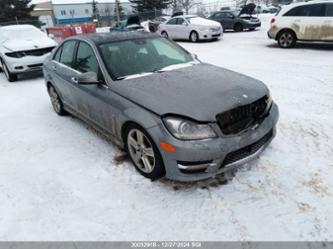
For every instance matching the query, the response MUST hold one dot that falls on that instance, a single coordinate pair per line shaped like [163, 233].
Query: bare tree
[187, 4]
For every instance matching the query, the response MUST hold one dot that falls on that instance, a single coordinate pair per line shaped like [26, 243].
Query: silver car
[176, 116]
[190, 27]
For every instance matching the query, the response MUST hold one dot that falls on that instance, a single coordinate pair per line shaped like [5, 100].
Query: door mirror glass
[88, 78]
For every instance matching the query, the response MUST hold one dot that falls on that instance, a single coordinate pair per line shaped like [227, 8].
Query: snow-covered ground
[59, 179]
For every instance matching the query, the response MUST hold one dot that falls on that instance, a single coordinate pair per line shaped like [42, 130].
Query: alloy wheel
[141, 151]
[286, 39]
[164, 34]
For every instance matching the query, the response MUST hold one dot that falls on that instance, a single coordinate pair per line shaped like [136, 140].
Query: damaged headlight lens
[187, 129]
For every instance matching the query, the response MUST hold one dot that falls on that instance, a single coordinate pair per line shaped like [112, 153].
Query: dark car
[153, 25]
[175, 115]
[131, 24]
[237, 20]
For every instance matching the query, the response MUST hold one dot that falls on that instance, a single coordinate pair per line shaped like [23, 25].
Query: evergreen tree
[95, 12]
[150, 5]
[12, 10]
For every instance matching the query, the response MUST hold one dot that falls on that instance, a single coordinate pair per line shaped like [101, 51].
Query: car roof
[101, 38]
[292, 5]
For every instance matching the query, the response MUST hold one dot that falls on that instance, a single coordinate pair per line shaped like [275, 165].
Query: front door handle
[54, 68]
[75, 80]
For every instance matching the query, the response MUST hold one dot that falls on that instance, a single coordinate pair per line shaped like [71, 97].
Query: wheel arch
[285, 29]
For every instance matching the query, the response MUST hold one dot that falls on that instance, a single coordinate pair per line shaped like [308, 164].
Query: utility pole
[117, 3]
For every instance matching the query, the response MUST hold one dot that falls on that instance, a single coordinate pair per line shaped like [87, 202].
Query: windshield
[141, 56]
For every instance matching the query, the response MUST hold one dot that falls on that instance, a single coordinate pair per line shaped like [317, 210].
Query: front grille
[34, 52]
[246, 151]
[243, 117]
[35, 65]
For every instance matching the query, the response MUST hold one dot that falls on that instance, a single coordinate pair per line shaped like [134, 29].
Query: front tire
[238, 27]
[165, 34]
[194, 37]
[56, 101]
[287, 39]
[11, 77]
[143, 152]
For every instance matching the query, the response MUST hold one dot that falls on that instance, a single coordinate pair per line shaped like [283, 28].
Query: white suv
[310, 21]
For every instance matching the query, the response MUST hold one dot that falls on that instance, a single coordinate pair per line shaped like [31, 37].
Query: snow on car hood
[28, 44]
[201, 91]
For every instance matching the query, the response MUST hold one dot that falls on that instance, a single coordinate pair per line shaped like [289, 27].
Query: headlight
[188, 130]
[205, 29]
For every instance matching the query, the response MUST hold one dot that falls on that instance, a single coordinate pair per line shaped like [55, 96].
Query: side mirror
[51, 36]
[88, 78]
[185, 23]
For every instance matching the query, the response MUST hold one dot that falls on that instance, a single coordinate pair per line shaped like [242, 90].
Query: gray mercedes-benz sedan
[176, 116]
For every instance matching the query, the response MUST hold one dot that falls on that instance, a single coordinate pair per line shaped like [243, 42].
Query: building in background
[44, 12]
[77, 11]
[66, 12]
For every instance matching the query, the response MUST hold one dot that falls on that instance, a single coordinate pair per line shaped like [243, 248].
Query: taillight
[273, 20]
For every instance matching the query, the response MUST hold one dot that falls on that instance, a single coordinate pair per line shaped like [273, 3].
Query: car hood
[28, 44]
[200, 91]
[247, 9]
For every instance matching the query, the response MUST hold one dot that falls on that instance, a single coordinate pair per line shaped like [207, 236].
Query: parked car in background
[23, 48]
[175, 115]
[131, 24]
[237, 20]
[309, 21]
[153, 25]
[190, 27]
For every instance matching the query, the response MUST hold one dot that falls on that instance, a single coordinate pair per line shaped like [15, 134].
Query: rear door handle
[75, 80]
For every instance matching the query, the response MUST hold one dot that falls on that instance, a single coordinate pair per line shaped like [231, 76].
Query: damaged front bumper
[25, 64]
[199, 160]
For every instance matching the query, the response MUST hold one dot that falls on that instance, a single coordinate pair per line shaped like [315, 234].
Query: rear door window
[329, 9]
[67, 53]
[180, 21]
[314, 10]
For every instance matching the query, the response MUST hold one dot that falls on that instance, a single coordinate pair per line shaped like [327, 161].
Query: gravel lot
[59, 179]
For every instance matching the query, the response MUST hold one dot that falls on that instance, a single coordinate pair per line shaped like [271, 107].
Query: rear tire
[56, 102]
[194, 37]
[286, 39]
[143, 152]
[11, 77]
[238, 27]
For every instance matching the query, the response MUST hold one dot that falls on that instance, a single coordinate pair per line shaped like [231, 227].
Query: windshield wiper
[132, 76]
[174, 66]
